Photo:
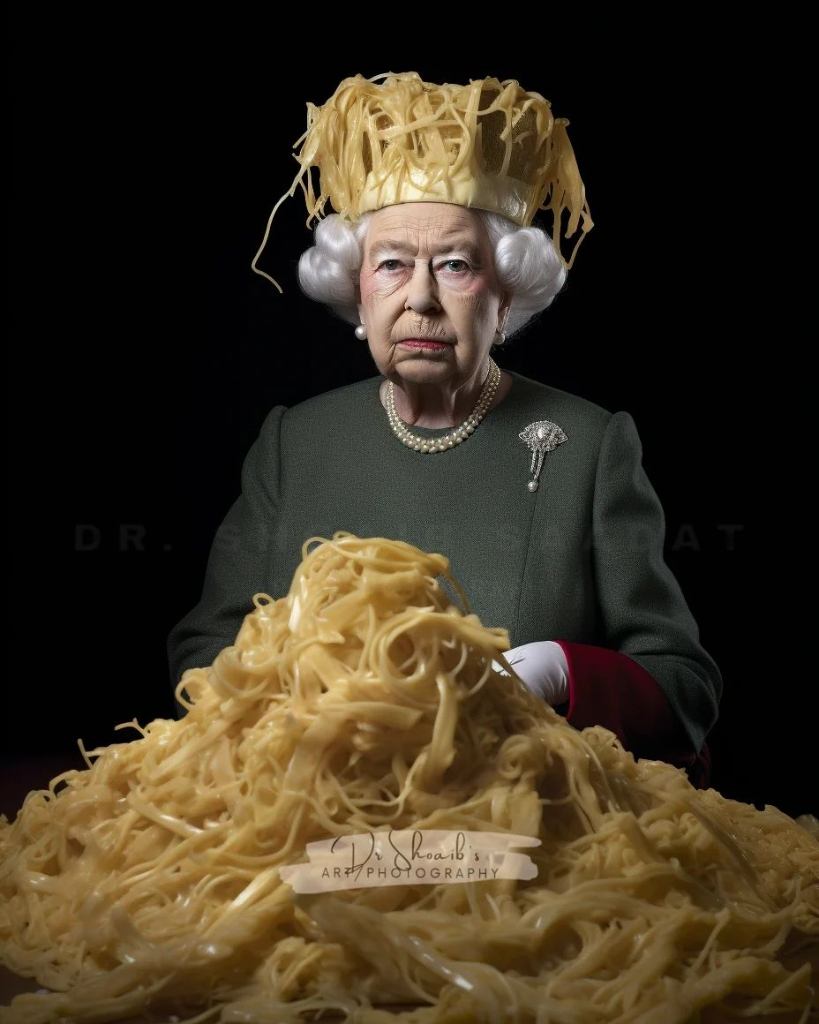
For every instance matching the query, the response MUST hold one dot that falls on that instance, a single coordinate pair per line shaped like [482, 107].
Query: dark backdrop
[148, 152]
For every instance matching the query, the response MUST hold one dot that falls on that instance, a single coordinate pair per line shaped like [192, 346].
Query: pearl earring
[361, 332]
[502, 338]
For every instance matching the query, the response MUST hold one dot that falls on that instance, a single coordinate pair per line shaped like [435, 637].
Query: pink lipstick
[423, 343]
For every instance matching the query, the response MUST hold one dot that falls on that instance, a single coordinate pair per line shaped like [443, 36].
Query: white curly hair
[526, 264]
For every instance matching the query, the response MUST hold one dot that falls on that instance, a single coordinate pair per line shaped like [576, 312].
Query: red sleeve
[610, 689]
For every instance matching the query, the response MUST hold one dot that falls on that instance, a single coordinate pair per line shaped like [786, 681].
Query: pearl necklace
[456, 436]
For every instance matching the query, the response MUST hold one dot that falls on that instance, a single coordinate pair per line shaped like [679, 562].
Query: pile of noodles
[365, 701]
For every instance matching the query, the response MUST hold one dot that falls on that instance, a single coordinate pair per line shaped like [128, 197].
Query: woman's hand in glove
[542, 667]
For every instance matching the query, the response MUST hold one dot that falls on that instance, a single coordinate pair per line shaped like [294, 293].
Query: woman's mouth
[423, 343]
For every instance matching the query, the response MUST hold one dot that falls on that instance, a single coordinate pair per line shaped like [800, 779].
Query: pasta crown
[395, 138]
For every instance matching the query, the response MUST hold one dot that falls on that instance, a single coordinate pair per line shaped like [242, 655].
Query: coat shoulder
[573, 413]
[331, 405]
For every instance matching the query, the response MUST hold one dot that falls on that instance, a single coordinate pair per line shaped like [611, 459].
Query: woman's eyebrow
[391, 245]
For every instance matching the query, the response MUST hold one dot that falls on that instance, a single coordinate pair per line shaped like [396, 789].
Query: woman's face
[428, 274]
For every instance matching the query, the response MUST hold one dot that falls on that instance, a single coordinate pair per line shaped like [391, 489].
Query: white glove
[542, 667]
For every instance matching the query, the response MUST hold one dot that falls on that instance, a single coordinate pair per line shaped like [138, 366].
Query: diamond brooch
[541, 437]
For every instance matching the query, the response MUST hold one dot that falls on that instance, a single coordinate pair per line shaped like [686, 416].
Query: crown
[395, 138]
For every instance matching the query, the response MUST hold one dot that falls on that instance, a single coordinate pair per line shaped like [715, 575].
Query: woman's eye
[453, 266]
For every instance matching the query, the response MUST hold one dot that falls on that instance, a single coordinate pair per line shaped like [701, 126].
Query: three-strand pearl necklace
[457, 435]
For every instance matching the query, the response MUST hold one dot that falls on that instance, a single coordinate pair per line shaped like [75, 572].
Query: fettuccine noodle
[365, 700]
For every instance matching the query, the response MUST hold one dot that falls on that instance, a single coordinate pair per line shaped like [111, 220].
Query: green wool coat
[580, 558]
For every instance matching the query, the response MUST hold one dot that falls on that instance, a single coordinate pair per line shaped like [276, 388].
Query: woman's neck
[434, 407]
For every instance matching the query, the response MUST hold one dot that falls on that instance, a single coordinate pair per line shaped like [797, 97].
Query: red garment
[610, 689]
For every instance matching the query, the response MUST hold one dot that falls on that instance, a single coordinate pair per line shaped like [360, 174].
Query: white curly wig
[526, 263]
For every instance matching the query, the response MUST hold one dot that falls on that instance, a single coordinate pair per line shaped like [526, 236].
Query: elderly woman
[538, 497]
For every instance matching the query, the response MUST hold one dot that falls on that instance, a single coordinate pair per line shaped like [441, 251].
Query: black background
[147, 153]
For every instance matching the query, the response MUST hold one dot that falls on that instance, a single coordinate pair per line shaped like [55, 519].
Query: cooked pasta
[365, 700]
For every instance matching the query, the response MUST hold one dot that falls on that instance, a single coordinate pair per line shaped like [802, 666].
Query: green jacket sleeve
[643, 611]
[237, 562]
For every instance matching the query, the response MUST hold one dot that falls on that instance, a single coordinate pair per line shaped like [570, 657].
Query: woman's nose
[423, 290]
